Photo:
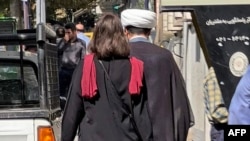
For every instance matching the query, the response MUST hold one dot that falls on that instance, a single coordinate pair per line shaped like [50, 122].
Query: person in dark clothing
[60, 33]
[107, 98]
[70, 51]
[170, 111]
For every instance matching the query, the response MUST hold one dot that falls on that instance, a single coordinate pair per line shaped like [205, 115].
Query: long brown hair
[108, 38]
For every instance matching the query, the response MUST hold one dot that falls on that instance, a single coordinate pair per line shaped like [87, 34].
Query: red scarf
[88, 82]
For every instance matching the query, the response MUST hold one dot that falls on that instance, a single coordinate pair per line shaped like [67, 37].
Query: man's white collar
[136, 36]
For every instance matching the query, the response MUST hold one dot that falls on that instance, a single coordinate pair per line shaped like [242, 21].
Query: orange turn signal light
[45, 133]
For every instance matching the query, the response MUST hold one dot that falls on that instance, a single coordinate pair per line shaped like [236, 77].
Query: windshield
[12, 90]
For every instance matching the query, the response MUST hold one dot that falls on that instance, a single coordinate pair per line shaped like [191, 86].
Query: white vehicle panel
[16, 130]
[20, 129]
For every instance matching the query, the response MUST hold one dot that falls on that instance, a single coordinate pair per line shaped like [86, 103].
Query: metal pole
[146, 3]
[40, 22]
[43, 11]
[25, 14]
[159, 21]
[40, 11]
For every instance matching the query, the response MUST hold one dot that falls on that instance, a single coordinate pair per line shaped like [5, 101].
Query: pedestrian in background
[70, 51]
[239, 109]
[80, 33]
[60, 33]
[107, 98]
[168, 103]
[215, 107]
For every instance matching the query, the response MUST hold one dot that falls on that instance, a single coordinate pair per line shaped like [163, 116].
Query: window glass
[11, 85]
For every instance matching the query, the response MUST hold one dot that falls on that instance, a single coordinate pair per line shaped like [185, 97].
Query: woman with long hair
[107, 99]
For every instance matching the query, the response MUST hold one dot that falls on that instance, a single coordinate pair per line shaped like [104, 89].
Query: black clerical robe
[169, 106]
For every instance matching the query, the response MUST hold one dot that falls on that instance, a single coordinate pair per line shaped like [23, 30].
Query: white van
[29, 90]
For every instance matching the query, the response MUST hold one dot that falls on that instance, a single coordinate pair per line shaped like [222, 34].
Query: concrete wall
[194, 71]
[190, 59]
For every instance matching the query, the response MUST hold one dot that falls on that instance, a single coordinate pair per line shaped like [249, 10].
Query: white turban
[138, 18]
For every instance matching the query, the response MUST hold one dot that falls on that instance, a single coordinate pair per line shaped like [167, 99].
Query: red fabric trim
[135, 83]
[88, 82]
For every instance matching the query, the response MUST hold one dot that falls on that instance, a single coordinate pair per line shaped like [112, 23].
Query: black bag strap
[119, 103]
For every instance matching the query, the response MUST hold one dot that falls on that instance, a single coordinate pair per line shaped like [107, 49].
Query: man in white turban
[168, 105]
[138, 18]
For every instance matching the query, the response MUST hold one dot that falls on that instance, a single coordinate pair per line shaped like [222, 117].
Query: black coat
[169, 107]
[94, 116]
[70, 54]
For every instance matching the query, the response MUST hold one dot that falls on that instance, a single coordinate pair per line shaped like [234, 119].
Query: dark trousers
[217, 132]
[65, 76]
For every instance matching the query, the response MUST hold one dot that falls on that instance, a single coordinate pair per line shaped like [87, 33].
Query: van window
[12, 90]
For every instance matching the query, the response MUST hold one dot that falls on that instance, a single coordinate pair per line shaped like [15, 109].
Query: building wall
[194, 71]
[184, 44]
